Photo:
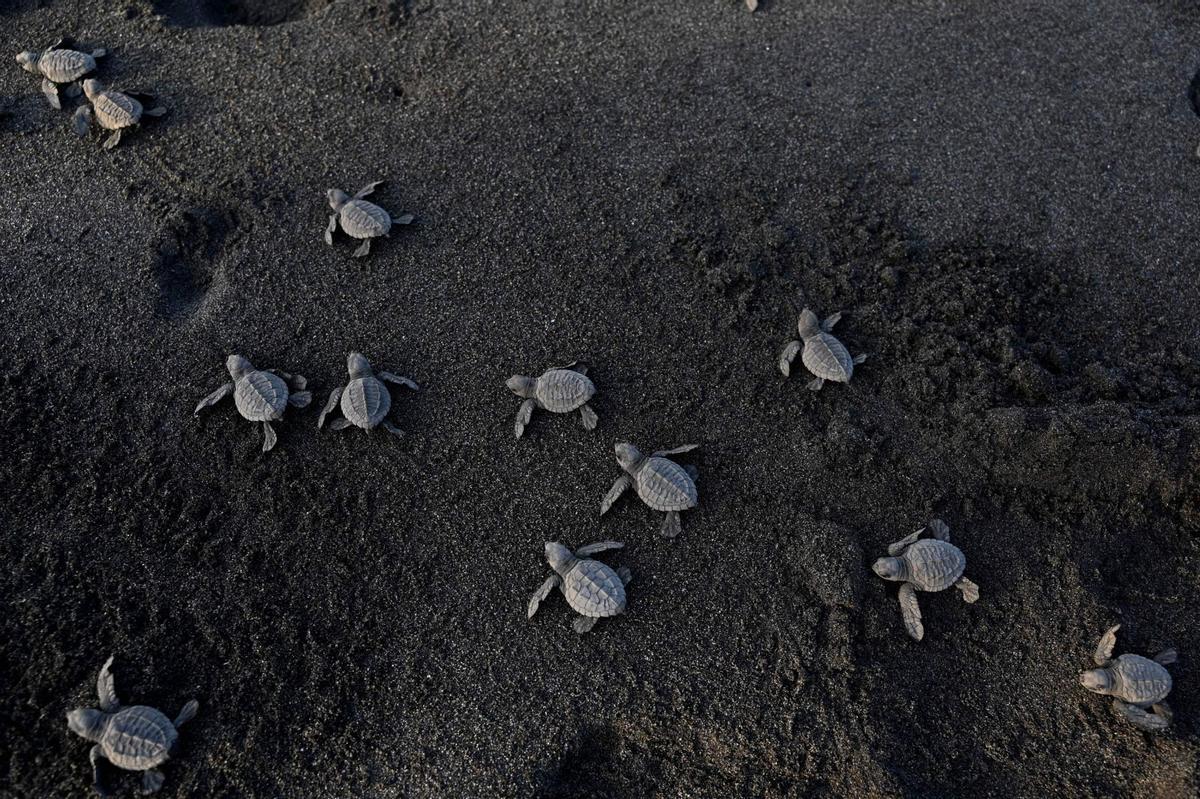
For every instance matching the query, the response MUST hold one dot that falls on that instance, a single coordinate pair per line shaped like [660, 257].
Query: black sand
[1002, 199]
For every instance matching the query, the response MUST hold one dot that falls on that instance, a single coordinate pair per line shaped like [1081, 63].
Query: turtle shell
[594, 589]
[563, 390]
[366, 402]
[664, 485]
[261, 396]
[114, 110]
[138, 738]
[827, 357]
[1139, 680]
[364, 220]
[934, 565]
[64, 66]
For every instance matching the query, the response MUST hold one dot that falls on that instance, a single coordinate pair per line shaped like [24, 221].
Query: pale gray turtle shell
[138, 738]
[1139, 680]
[64, 66]
[665, 485]
[365, 402]
[563, 390]
[114, 110]
[826, 357]
[934, 565]
[594, 589]
[364, 220]
[261, 396]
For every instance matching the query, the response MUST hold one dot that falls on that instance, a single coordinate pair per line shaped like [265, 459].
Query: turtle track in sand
[226, 13]
[188, 263]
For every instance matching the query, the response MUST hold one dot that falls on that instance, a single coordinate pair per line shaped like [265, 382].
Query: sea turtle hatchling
[561, 389]
[360, 219]
[925, 565]
[112, 110]
[136, 738]
[58, 64]
[824, 355]
[365, 400]
[1135, 683]
[661, 483]
[260, 395]
[593, 589]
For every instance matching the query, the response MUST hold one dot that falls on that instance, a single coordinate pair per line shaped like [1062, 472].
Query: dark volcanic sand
[1002, 199]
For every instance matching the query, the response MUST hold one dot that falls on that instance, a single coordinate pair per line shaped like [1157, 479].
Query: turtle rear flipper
[99, 52]
[911, 611]
[1166, 657]
[816, 383]
[187, 713]
[590, 419]
[152, 781]
[970, 591]
[299, 399]
[363, 249]
[389, 426]
[672, 526]
[939, 529]
[1150, 722]
[340, 424]
[583, 624]
[72, 90]
[112, 141]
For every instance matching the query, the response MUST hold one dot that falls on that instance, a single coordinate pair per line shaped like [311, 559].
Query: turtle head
[558, 556]
[809, 324]
[86, 723]
[521, 385]
[628, 456]
[337, 198]
[29, 60]
[238, 366]
[358, 365]
[92, 87]
[1096, 680]
[890, 568]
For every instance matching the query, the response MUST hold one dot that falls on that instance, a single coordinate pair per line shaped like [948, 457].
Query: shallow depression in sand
[223, 13]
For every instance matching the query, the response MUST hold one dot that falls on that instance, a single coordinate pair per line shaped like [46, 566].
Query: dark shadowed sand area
[1002, 197]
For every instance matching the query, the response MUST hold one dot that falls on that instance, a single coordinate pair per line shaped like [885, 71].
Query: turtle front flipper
[398, 380]
[692, 471]
[99, 52]
[672, 526]
[106, 688]
[299, 399]
[363, 249]
[903, 544]
[187, 713]
[859, 358]
[552, 582]
[625, 575]
[95, 756]
[392, 428]
[72, 90]
[662, 453]
[583, 624]
[50, 89]
[112, 141]
[81, 120]
[618, 488]
[816, 383]
[403, 219]
[213, 398]
[970, 591]
[940, 530]
[1150, 722]
[340, 424]
[368, 189]
[590, 419]
[829, 322]
[1104, 649]
[269, 437]
[524, 414]
[1166, 657]
[331, 228]
[597, 548]
[790, 351]
[910, 609]
[152, 780]
[1164, 711]
[156, 111]
[335, 397]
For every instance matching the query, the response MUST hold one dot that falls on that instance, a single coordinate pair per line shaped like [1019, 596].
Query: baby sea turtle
[113, 110]
[662, 484]
[561, 389]
[58, 64]
[365, 400]
[593, 589]
[824, 355]
[1134, 682]
[925, 565]
[260, 396]
[136, 738]
[359, 218]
